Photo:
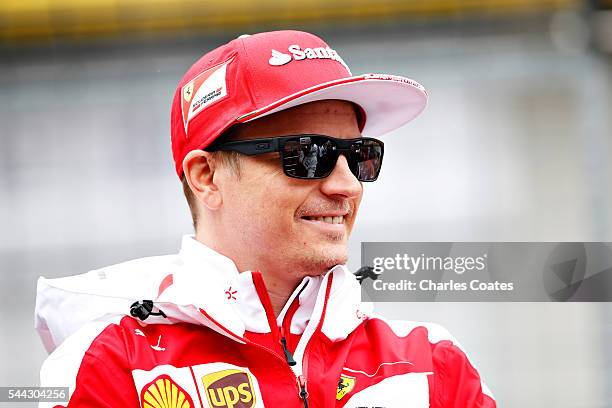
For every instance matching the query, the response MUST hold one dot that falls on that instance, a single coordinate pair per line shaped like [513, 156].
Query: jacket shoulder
[401, 328]
[90, 362]
[134, 271]
[63, 305]
[454, 374]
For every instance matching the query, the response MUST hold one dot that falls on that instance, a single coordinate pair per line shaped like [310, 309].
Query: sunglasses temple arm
[251, 147]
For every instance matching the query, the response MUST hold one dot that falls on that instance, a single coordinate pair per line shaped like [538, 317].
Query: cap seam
[253, 94]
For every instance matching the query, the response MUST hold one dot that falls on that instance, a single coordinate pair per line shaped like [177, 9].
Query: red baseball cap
[256, 75]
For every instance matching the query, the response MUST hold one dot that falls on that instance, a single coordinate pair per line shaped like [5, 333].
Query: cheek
[263, 205]
[266, 222]
[356, 210]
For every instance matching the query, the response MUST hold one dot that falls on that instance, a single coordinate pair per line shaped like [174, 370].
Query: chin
[326, 258]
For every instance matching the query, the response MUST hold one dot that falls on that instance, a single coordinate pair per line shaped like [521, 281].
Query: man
[257, 309]
[310, 158]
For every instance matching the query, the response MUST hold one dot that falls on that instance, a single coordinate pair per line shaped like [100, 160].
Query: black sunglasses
[315, 156]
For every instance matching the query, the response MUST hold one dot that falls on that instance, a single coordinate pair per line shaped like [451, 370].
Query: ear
[199, 169]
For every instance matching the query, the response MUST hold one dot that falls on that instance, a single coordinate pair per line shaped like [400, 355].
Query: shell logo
[163, 392]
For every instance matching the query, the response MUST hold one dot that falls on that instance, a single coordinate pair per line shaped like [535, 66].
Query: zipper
[288, 358]
[285, 328]
[288, 355]
[260, 288]
[301, 380]
[302, 384]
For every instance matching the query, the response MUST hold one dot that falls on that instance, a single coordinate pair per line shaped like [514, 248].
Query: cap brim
[389, 101]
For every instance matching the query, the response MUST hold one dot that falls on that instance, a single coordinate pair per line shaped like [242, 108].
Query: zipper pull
[288, 355]
[301, 380]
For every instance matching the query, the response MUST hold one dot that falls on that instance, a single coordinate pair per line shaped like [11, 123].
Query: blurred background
[515, 145]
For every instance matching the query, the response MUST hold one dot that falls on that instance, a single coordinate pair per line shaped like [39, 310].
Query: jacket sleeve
[93, 363]
[456, 381]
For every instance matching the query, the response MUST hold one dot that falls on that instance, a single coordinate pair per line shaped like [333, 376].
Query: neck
[279, 292]
[280, 279]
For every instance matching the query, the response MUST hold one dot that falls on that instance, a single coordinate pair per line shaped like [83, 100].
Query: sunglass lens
[308, 157]
[366, 160]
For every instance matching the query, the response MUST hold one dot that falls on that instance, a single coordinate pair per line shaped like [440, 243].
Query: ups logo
[229, 389]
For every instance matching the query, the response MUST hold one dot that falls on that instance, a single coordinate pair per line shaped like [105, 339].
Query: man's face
[301, 226]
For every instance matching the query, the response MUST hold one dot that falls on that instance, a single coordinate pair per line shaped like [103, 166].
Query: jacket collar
[211, 282]
[197, 286]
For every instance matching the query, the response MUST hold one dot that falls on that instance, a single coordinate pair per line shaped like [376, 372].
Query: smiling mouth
[339, 219]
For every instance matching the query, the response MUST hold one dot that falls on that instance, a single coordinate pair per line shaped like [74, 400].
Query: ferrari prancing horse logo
[345, 385]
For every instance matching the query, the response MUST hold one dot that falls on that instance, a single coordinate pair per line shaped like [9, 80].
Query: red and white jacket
[220, 345]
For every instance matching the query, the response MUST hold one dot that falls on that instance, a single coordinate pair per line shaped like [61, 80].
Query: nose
[341, 181]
